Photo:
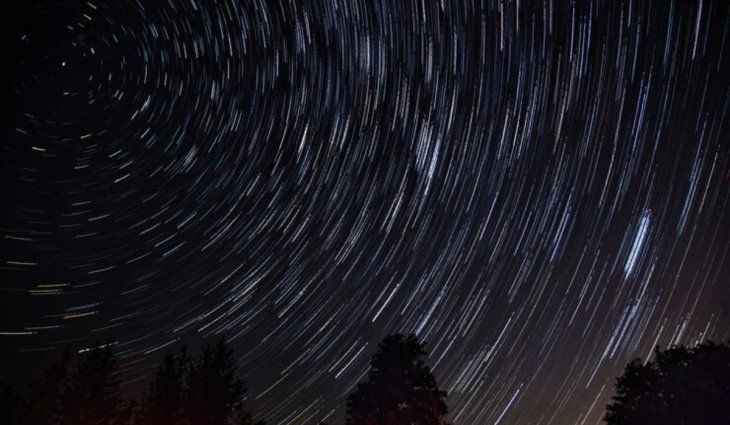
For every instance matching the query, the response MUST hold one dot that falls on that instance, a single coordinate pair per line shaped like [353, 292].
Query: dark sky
[537, 190]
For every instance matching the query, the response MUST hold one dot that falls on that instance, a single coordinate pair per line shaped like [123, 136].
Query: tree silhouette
[204, 390]
[164, 399]
[215, 393]
[681, 386]
[85, 392]
[399, 390]
[44, 404]
[92, 395]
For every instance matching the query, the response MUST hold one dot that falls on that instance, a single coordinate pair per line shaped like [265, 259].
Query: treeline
[84, 389]
[206, 390]
[679, 386]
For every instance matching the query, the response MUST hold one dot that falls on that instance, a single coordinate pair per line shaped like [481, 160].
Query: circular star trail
[538, 190]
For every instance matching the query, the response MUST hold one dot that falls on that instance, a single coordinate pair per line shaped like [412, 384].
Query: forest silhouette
[679, 386]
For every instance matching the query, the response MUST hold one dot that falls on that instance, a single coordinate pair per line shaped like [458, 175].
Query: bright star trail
[538, 190]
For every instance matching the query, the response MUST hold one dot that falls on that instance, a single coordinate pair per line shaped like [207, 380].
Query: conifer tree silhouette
[399, 390]
[84, 391]
[166, 393]
[92, 394]
[44, 404]
[215, 393]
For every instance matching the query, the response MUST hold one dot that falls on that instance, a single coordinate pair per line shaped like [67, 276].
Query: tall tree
[164, 399]
[215, 393]
[44, 404]
[399, 390]
[82, 392]
[92, 396]
[680, 386]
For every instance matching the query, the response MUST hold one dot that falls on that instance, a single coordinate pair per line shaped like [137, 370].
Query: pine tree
[92, 395]
[163, 401]
[44, 404]
[183, 391]
[400, 388]
[215, 393]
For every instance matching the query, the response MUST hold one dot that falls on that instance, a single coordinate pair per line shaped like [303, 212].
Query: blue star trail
[537, 190]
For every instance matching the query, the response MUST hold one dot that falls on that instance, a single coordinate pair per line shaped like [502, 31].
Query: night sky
[538, 190]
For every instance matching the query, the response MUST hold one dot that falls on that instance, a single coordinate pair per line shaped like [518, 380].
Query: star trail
[537, 190]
